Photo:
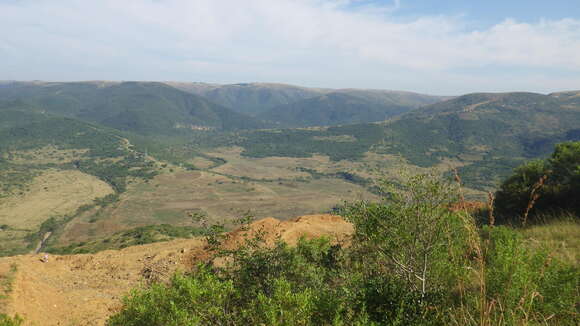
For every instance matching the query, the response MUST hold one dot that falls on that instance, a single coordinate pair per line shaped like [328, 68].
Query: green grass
[560, 236]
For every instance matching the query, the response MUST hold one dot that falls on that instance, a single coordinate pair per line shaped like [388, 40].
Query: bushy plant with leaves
[411, 261]
[411, 249]
[551, 185]
[264, 286]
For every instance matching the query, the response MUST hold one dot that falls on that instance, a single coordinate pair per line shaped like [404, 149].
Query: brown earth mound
[85, 289]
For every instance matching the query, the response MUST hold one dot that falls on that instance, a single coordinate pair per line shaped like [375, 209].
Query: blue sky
[487, 12]
[430, 46]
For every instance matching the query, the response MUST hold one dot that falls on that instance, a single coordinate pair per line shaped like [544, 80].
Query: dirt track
[85, 289]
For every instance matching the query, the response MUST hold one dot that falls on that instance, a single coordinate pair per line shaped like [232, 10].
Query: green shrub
[410, 262]
[528, 285]
[559, 191]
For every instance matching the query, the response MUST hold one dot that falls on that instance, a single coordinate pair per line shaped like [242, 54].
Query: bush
[559, 190]
[278, 286]
[411, 261]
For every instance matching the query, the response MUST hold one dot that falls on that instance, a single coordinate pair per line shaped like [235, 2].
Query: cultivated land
[170, 197]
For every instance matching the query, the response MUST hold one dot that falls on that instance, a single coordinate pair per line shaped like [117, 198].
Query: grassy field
[281, 187]
[225, 185]
[54, 193]
[171, 196]
[561, 238]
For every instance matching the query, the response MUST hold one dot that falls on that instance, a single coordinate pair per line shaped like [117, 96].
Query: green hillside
[98, 151]
[332, 109]
[143, 108]
[489, 132]
[486, 135]
[294, 106]
[250, 98]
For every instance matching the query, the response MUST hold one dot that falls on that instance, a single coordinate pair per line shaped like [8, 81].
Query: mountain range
[293, 106]
[142, 107]
[489, 133]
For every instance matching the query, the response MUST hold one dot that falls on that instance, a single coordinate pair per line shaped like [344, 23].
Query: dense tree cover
[335, 109]
[486, 126]
[410, 262]
[249, 98]
[547, 185]
[257, 98]
[305, 143]
[145, 108]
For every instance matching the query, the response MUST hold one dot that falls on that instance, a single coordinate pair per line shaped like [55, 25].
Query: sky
[444, 47]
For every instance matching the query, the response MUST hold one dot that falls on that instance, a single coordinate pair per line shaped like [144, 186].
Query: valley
[92, 161]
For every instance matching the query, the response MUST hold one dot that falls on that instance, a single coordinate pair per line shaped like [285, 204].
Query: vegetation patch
[411, 261]
[137, 236]
[542, 186]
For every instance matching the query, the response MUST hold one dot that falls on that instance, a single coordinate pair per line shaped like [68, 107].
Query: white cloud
[312, 42]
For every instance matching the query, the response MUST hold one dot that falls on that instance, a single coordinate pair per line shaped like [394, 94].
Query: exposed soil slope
[86, 289]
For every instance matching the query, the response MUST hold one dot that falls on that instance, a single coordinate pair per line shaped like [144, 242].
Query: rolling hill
[295, 106]
[488, 125]
[145, 108]
[250, 98]
[485, 135]
[346, 107]
[124, 134]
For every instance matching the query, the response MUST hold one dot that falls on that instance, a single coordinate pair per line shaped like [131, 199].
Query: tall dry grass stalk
[490, 310]
[534, 196]
[475, 247]
[490, 204]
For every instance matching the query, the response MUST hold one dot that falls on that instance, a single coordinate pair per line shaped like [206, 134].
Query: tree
[551, 184]
[412, 233]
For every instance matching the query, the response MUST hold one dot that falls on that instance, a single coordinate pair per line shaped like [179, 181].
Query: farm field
[170, 197]
[224, 186]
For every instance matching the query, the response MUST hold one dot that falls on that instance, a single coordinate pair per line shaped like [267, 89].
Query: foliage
[304, 143]
[559, 191]
[270, 287]
[334, 109]
[527, 285]
[410, 262]
[414, 235]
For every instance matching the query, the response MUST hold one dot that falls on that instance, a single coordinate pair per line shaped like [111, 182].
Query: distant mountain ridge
[295, 106]
[346, 106]
[250, 98]
[140, 107]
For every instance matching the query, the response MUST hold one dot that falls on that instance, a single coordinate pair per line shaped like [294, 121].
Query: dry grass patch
[561, 238]
[169, 197]
[53, 193]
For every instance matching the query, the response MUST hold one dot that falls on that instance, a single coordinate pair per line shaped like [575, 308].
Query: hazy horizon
[434, 47]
